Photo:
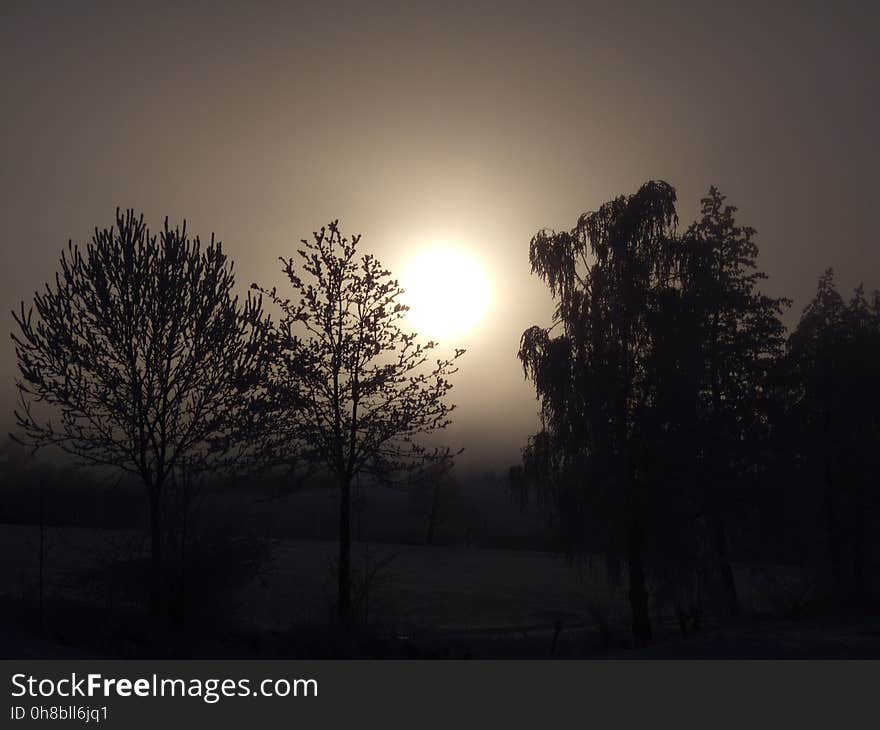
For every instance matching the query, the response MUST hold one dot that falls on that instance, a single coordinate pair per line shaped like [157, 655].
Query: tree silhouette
[738, 336]
[349, 386]
[139, 357]
[592, 378]
[833, 399]
[653, 390]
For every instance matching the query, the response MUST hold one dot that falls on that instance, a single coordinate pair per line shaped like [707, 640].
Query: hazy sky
[411, 123]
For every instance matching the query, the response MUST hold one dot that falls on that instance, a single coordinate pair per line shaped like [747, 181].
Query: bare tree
[348, 385]
[139, 357]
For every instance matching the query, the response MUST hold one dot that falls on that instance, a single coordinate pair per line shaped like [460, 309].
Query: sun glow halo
[447, 292]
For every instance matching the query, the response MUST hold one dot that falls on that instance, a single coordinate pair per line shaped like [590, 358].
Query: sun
[447, 292]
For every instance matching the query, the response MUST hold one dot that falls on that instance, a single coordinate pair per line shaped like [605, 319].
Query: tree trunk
[155, 554]
[728, 580]
[638, 593]
[831, 516]
[42, 614]
[861, 587]
[181, 598]
[344, 595]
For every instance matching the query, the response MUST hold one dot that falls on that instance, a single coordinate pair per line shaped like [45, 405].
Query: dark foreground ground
[412, 600]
